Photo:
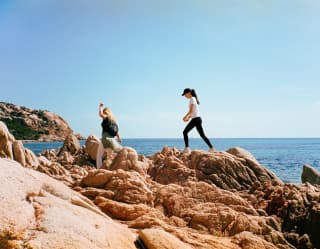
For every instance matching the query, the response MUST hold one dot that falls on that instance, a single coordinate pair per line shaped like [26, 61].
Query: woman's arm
[101, 114]
[188, 115]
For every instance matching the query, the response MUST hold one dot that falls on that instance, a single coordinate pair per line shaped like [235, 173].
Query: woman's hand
[101, 114]
[119, 139]
[185, 118]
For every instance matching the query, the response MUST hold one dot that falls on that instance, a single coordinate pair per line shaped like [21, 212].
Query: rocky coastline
[221, 200]
[30, 125]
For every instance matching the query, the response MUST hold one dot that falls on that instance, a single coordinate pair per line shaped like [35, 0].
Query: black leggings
[195, 122]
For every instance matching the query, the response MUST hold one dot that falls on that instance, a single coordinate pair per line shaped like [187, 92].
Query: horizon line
[223, 138]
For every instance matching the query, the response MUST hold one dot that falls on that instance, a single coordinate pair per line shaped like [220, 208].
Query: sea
[284, 156]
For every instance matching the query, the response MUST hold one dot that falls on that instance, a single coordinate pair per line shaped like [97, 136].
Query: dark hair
[193, 93]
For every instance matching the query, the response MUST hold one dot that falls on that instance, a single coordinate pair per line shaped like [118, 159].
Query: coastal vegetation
[30, 124]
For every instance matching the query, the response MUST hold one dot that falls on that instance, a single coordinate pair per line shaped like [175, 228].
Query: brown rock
[39, 212]
[168, 168]
[50, 154]
[296, 204]
[127, 159]
[248, 240]
[6, 140]
[65, 158]
[128, 187]
[310, 174]
[223, 169]
[122, 211]
[44, 161]
[228, 171]
[19, 153]
[12, 149]
[71, 144]
[159, 239]
[31, 159]
[242, 153]
[44, 125]
[91, 146]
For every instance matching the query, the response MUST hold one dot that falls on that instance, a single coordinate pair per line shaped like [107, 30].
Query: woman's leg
[99, 155]
[188, 128]
[201, 132]
[115, 145]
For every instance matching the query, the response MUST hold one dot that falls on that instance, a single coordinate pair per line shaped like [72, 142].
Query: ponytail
[193, 93]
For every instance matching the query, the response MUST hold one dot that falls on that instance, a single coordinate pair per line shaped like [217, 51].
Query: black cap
[187, 90]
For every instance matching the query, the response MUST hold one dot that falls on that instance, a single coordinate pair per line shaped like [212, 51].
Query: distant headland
[34, 125]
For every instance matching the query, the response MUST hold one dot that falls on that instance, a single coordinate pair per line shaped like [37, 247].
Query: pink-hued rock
[12, 149]
[71, 144]
[196, 206]
[91, 146]
[37, 211]
[128, 187]
[223, 169]
[297, 205]
[220, 200]
[127, 159]
[31, 159]
[45, 125]
[159, 239]
[19, 153]
[310, 174]
[6, 140]
[169, 167]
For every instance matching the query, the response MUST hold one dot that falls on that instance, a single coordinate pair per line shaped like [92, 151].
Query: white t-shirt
[195, 110]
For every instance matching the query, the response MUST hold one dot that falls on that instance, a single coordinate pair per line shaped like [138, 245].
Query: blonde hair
[109, 113]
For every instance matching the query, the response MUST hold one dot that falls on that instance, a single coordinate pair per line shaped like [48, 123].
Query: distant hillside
[28, 124]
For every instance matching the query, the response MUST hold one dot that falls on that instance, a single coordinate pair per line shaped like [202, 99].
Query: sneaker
[186, 150]
[211, 150]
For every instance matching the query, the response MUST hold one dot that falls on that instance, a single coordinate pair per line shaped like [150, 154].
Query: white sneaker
[186, 150]
[211, 150]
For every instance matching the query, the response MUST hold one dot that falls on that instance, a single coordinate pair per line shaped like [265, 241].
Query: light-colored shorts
[110, 142]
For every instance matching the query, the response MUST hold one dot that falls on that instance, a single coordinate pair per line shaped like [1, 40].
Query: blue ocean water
[285, 157]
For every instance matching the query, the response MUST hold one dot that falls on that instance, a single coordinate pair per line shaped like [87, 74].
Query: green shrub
[20, 130]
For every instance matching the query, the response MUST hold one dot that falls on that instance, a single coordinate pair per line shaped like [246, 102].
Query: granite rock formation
[223, 200]
[37, 211]
[310, 174]
[29, 124]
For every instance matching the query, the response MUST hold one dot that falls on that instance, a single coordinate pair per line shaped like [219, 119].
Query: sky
[254, 64]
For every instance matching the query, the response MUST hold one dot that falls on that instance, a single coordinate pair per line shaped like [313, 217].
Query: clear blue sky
[254, 63]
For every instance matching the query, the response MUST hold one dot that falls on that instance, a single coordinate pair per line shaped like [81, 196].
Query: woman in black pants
[196, 120]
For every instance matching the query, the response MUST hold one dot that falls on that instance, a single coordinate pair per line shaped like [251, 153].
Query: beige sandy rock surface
[37, 211]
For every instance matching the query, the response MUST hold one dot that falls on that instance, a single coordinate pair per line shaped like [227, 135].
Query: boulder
[223, 169]
[297, 205]
[91, 146]
[310, 174]
[28, 124]
[71, 144]
[228, 171]
[242, 153]
[127, 159]
[37, 211]
[31, 159]
[13, 149]
[218, 212]
[159, 239]
[121, 211]
[19, 153]
[6, 140]
[4, 132]
[169, 167]
[128, 187]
